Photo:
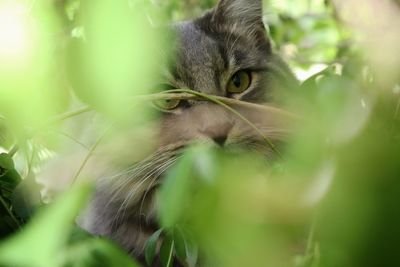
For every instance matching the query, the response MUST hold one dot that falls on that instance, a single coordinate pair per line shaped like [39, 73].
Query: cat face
[224, 53]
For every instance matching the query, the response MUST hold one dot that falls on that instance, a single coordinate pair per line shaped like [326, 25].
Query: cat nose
[220, 140]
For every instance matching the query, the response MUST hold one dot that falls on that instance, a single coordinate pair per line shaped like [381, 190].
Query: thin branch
[31, 159]
[13, 150]
[89, 154]
[186, 94]
[180, 94]
[219, 102]
[73, 139]
[69, 115]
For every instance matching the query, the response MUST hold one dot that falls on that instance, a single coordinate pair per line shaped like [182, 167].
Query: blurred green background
[333, 200]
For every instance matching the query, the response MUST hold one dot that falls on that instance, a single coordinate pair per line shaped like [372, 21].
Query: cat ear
[243, 13]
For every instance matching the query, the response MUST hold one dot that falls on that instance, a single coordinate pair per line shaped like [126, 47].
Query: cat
[226, 52]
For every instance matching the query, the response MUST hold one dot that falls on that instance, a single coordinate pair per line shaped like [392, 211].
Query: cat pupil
[236, 80]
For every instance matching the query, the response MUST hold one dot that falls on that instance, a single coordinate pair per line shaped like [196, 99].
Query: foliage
[330, 200]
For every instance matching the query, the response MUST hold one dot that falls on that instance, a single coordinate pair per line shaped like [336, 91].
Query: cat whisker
[136, 170]
[136, 188]
[166, 166]
[151, 167]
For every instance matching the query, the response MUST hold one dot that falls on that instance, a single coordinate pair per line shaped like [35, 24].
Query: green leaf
[6, 162]
[185, 249]
[191, 252]
[51, 228]
[96, 252]
[9, 177]
[167, 250]
[175, 190]
[151, 247]
[180, 246]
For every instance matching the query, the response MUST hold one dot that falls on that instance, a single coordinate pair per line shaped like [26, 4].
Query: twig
[310, 239]
[186, 94]
[73, 139]
[13, 150]
[219, 102]
[69, 115]
[180, 94]
[89, 154]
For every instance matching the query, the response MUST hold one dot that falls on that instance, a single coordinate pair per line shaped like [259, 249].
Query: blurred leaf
[167, 250]
[151, 247]
[191, 252]
[175, 190]
[185, 248]
[29, 52]
[180, 244]
[50, 228]
[119, 58]
[9, 177]
[6, 163]
[96, 252]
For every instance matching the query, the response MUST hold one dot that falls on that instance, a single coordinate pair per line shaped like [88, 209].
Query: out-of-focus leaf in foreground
[51, 239]
[237, 213]
[118, 57]
[30, 88]
[43, 239]
[175, 191]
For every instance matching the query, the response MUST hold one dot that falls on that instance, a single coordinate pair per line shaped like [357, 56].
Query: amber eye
[167, 104]
[239, 82]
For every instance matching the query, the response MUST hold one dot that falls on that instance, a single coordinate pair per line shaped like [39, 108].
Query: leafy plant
[329, 199]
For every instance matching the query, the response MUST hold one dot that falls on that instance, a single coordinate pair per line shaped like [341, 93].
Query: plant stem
[13, 150]
[217, 101]
[89, 154]
[187, 95]
[69, 115]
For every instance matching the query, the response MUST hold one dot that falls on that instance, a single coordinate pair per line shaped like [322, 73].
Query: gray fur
[209, 51]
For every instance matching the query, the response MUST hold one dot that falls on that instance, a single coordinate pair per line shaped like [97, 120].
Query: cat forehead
[208, 47]
[194, 44]
[199, 62]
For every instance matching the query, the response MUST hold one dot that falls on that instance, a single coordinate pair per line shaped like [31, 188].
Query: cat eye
[239, 82]
[167, 104]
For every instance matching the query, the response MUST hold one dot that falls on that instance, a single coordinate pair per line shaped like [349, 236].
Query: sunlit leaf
[30, 88]
[119, 57]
